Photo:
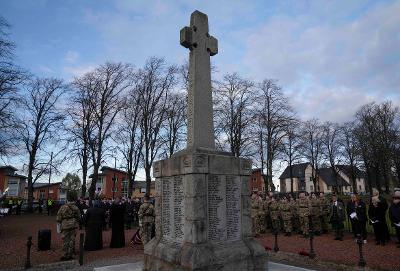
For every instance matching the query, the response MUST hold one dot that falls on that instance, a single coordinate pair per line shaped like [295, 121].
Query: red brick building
[45, 191]
[13, 181]
[105, 182]
[257, 181]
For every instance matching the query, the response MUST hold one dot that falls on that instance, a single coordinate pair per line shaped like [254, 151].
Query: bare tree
[350, 151]
[290, 147]
[80, 128]
[312, 140]
[39, 122]
[11, 77]
[174, 130]
[233, 101]
[129, 137]
[155, 81]
[332, 149]
[107, 83]
[275, 114]
[376, 136]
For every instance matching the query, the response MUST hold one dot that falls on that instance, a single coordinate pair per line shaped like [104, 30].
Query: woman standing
[377, 217]
[94, 220]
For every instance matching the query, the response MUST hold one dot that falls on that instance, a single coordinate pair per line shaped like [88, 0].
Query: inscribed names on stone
[172, 208]
[224, 211]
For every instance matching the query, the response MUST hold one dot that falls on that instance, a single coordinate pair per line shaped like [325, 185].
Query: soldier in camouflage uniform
[315, 213]
[303, 206]
[286, 214]
[325, 211]
[146, 220]
[294, 211]
[261, 215]
[274, 212]
[266, 209]
[255, 206]
[68, 217]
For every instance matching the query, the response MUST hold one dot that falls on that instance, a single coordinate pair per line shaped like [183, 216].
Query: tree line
[139, 115]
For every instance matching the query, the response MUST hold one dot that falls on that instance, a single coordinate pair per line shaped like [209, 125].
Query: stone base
[241, 255]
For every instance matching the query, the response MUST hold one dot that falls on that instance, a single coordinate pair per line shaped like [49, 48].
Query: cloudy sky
[330, 57]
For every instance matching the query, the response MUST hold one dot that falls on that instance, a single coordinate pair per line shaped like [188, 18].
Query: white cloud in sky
[78, 70]
[71, 56]
[336, 67]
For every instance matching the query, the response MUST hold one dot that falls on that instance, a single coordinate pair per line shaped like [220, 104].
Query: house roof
[17, 175]
[8, 167]
[346, 169]
[112, 169]
[298, 171]
[141, 184]
[42, 185]
[327, 175]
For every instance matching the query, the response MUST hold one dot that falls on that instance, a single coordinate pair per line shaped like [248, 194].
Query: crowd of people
[98, 215]
[317, 213]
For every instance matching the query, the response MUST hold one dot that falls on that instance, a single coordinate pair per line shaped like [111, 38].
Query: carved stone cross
[200, 112]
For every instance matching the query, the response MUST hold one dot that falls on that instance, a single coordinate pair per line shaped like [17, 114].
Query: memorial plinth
[202, 197]
[203, 215]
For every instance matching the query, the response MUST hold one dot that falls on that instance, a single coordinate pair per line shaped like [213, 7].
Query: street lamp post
[114, 179]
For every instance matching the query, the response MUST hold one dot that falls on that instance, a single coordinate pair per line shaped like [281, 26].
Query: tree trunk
[148, 179]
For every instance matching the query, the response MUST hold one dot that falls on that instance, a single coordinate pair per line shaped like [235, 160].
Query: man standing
[394, 214]
[146, 220]
[274, 211]
[286, 213]
[303, 206]
[117, 215]
[337, 217]
[68, 217]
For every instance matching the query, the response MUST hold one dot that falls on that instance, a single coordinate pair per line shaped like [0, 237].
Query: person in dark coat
[377, 217]
[337, 217]
[129, 213]
[94, 220]
[117, 224]
[357, 212]
[383, 205]
[394, 214]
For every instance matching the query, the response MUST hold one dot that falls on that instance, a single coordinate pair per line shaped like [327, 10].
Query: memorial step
[138, 267]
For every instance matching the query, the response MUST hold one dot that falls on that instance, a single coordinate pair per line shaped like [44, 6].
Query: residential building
[105, 183]
[139, 189]
[327, 180]
[345, 173]
[11, 180]
[257, 183]
[45, 191]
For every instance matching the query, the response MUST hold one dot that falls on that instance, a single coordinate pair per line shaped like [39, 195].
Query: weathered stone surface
[202, 195]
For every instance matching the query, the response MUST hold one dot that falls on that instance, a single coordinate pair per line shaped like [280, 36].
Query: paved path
[138, 267]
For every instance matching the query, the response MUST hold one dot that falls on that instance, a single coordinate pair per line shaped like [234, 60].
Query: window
[51, 191]
[41, 193]
[359, 188]
[311, 187]
[124, 188]
[12, 187]
[143, 190]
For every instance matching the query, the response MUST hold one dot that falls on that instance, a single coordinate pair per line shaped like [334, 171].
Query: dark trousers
[379, 231]
[360, 227]
[338, 227]
[398, 234]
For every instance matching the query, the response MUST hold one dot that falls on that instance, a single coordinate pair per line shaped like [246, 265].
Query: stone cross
[200, 111]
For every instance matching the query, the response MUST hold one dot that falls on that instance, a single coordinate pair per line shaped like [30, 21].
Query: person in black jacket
[377, 217]
[117, 224]
[357, 212]
[394, 214]
[337, 217]
[129, 213]
[94, 220]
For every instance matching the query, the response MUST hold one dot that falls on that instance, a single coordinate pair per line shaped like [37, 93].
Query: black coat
[117, 223]
[394, 213]
[94, 228]
[360, 210]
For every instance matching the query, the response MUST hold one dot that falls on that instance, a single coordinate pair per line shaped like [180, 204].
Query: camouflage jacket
[315, 207]
[69, 216]
[303, 206]
[146, 213]
[274, 210]
[286, 210]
